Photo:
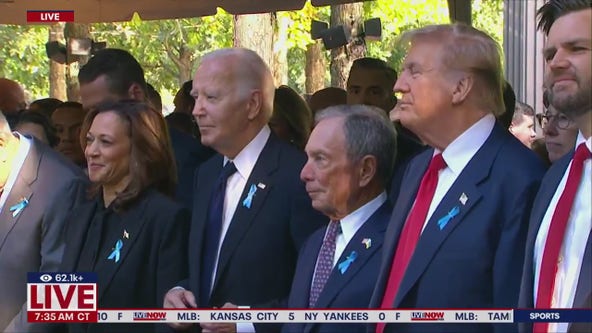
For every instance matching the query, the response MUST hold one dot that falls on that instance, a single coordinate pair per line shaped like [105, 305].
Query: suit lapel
[305, 271]
[409, 188]
[372, 229]
[206, 180]
[134, 229]
[464, 189]
[243, 216]
[21, 190]
[541, 203]
[77, 236]
[405, 200]
[584, 288]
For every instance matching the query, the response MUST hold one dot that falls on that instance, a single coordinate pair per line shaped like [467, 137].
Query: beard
[572, 105]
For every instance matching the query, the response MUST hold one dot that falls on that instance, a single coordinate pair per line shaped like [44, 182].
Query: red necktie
[411, 232]
[556, 233]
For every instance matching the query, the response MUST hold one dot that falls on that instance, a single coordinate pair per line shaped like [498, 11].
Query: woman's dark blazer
[153, 257]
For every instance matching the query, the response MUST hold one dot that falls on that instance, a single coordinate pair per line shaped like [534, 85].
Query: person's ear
[462, 89]
[367, 169]
[254, 104]
[136, 92]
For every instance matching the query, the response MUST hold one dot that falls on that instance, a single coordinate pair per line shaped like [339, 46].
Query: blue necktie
[212, 233]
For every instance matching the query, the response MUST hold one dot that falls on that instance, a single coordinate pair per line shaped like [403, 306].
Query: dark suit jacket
[476, 260]
[583, 297]
[351, 289]
[32, 241]
[152, 259]
[189, 154]
[408, 146]
[259, 252]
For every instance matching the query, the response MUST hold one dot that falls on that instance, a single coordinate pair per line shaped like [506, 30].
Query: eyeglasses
[561, 120]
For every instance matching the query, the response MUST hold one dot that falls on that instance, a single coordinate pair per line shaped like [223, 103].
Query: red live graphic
[42, 16]
[75, 297]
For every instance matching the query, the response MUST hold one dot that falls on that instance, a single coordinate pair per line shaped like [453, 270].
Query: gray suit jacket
[32, 240]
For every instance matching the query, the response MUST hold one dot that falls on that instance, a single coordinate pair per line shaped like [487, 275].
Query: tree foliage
[23, 58]
[169, 49]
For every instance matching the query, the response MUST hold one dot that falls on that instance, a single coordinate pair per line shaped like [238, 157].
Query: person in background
[523, 124]
[153, 97]
[67, 120]
[291, 120]
[37, 125]
[183, 101]
[12, 100]
[46, 106]
[38, 190]
[325, 98]
[371, 82]
[130, 232]
[506, 117]
[558, 263]
[560, 132]
[457, 233]
[251, 213]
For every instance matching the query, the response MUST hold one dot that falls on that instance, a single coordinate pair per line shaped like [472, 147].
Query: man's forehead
[571, 26]
[367, 77]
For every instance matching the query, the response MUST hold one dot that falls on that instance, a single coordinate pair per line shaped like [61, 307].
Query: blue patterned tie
[324, 262]
[212, 233]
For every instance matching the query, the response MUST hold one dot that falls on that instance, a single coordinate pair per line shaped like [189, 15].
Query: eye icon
[45, 278]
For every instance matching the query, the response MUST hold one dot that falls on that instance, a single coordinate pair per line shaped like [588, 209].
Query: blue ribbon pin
[444, 220]
[344, 265]
[16, 209]
[116, 251]
[249, 199]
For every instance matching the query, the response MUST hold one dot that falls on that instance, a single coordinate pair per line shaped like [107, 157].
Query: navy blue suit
[353, 288]
[583, 296]
[476, 260]
[259, 252]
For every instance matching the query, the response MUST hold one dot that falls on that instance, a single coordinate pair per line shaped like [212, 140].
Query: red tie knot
[437, 163]
[582, 153]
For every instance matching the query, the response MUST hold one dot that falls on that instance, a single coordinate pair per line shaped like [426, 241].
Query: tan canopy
[91, 11]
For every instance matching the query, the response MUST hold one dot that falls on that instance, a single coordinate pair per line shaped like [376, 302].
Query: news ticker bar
[314, 316]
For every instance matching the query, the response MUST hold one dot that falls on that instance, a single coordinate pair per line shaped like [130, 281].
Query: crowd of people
[249, 195]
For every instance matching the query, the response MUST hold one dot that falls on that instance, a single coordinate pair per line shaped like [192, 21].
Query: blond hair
[469, 50]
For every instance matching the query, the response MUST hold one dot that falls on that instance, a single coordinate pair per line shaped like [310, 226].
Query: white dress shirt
[457, 155]
[15, 167]
[351, 223]
[245, 163]
[576, 235]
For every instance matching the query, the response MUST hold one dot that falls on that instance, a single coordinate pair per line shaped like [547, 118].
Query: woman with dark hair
[292, 118]
[36, 124]
[131, 233]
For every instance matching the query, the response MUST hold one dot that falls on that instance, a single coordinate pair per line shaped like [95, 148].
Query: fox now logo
[149, 316]
[427, 316]
[50, 16]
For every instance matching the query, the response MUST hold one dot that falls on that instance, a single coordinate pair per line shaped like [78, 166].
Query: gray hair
[368, 131]
[251, 70]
